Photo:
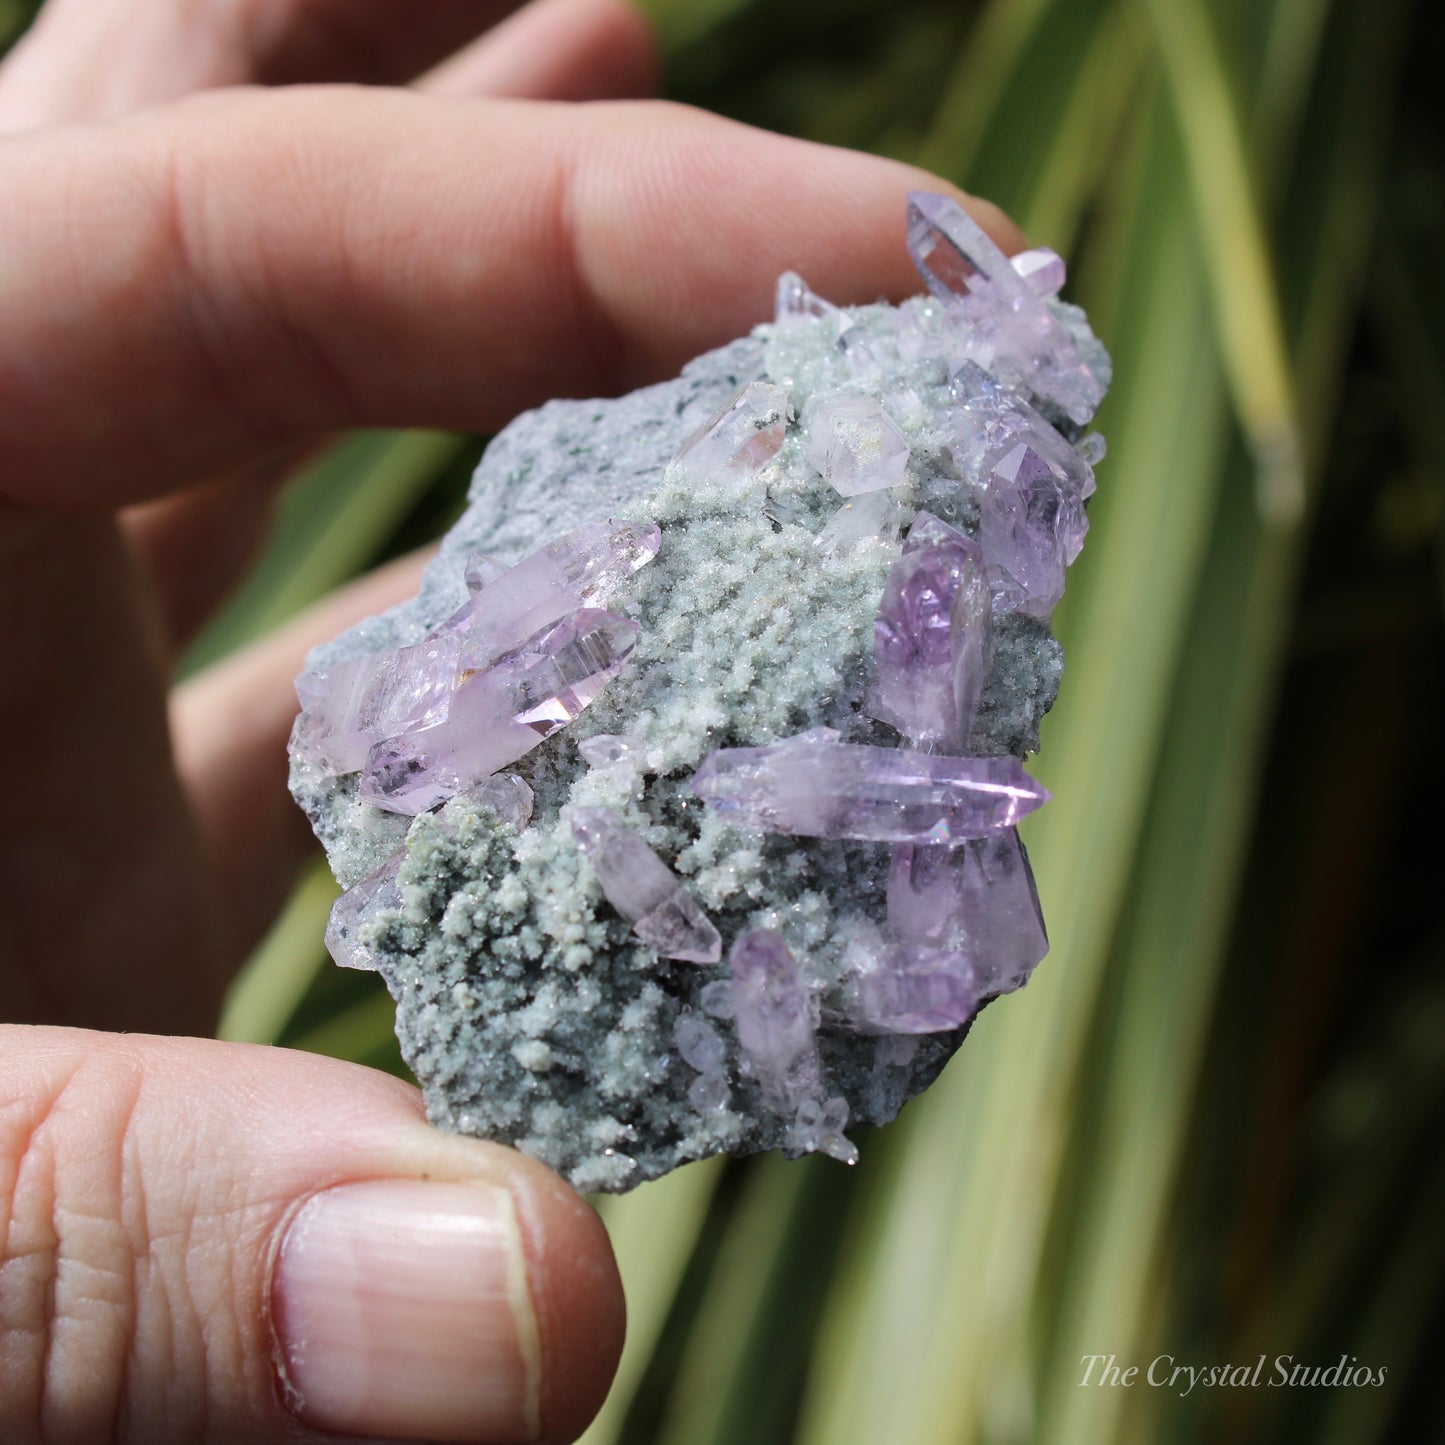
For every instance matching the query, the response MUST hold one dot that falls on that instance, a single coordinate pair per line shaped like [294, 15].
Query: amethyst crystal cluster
[679, 811]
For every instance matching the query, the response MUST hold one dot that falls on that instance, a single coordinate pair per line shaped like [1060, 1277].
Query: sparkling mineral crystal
[1010, 322]
[480, 570]
[1042, 268]
[979, 899]
[1028, 525]
[506, 795]
[855, 444]
[917, 990]
[932, 636]
[605, 750]
[991, 421]
[740, 439]
[582, 569]
[817, 788]
[794, 301]
[362, 901]
[352, 706]
[644, 890]
[774, 1018]
[871, 517]
[501, 714]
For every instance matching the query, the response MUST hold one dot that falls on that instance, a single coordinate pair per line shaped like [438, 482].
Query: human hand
[194, 287]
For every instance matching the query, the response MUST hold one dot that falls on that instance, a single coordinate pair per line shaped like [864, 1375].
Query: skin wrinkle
[90, 1327]
[34, 1170]
[213, 338]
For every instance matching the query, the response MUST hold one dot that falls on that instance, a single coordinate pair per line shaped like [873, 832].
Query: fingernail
[401, 1308]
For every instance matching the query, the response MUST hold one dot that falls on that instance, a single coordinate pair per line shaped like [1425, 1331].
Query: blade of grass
[1232, 233]
[364, 1029]
[718, 1378]
[990, 56]
[1167, 962]
[1393, 1330]
[1103, 91]
[955, 1238]
[267, 991]
[654, 1231]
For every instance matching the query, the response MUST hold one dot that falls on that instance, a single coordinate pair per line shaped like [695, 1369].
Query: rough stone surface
[529, 1010]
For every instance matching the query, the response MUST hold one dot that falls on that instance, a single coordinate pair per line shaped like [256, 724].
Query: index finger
[196, 286]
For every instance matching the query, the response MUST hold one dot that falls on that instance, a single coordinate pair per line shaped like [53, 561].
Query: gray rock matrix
[527, 1008]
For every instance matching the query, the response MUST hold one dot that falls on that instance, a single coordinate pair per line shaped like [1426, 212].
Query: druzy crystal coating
[800, 600]
[816, 788]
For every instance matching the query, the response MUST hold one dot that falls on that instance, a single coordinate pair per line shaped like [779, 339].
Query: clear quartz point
[605, 750]
[350, 707]
[644, 890]
[481, 570]
[870, 517]
[506, 795]
[584, 568]
[855, 444]
[932, 636]
[794, 300]
[356, 907]
[1030, 526]
[823, 789]
[774, 1018]
[740, 439]
[1004, 315]
[501, 714]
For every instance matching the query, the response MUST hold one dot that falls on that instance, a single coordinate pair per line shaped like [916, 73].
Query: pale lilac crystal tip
[740, 439]
[932, 636]
[1030, 526]
[795, 300]
[502, 713]
[869, 517]
[1042, 268]
[354, 909]
[826, 789]
[605, 750]
[917, 990]
[584, 568]
[773, 1017]
[644, 890]
[507, 795]
[855, 444]
[979, 898]
[1008, 319]
[352, 706]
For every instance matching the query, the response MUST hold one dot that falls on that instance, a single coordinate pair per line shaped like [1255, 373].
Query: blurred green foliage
[1210, 1128]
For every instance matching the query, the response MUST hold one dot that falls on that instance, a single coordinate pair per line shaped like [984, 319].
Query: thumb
[232, 1243]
